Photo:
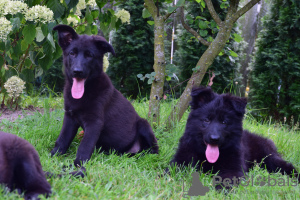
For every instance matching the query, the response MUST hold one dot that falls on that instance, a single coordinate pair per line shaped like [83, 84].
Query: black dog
[21, 168]
[107, 117]
[214, 139]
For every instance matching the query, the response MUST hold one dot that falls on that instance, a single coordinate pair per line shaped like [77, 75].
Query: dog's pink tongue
[77, 88]
[212, 153]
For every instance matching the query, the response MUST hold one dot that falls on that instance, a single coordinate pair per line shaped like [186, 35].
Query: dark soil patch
[12, 114]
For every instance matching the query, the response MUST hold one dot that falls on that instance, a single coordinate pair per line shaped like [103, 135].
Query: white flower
[92, 3]
[73, 20]
[5, 28]
[14, 7]
[124, 15]
[39, 14]
[81, 5]
[2, 6]
[14, 86]
[105, 63]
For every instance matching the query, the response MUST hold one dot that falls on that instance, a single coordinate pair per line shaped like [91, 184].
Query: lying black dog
[214, 139]
[107, 117]
[21, 168]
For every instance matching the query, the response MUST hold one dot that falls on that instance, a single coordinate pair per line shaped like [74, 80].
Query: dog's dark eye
[88, 54]
[206, 120]
[72, 53]
[224, 122]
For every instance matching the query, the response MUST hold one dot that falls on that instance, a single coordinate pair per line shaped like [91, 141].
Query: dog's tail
[146, 136]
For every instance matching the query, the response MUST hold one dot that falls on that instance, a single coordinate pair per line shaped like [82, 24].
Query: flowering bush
[105, 63]
[39, 14]
[124, 15]
[14, 7]
[5, 28]
[14, 86]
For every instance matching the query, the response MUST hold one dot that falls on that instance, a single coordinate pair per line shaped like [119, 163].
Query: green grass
[121, 177]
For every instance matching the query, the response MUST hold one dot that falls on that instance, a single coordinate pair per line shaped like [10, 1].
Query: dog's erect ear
[66, 34]
[237, 103]
[200, 96]
[103, 45]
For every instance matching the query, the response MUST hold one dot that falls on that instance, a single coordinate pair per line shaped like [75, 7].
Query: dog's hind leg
[274, 163]
[146, 136]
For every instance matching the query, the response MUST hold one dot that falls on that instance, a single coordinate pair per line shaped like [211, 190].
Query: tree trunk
[159, 67]
[204, 62]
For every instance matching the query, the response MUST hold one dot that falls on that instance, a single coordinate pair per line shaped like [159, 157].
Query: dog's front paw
[77, 162]
[57, 151]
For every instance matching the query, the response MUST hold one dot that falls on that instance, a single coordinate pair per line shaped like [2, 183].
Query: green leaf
[223, 5]
[221, 53]
[203, 25]
[139, 75]
[232, 53]
[95, 14]
[171, 9]
[57, 8]
[180, 3]
[71, 3]
[153, 73]
[146, 13]
[94, 30]
[168, 78]
[46, 61]
[1, 62]
[16, 23]
[101, 3]
[88, 16]
[17, 49]
[44, 28]
[88, 30]
[203, 33]
[39, 34]
[203, 4]
[149, 81]
[198, 1]
[237, 37]
[24, 45]
[50, 39]
[29, 33]
[150, 22]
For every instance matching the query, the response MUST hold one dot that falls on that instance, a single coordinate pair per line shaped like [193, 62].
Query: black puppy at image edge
[108, 119]
[21, 168]
[214, 139]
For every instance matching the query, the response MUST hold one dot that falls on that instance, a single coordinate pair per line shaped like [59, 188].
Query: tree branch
[191, 30]
[243, 10]
[168, 14]
[212, 12]
[150, 6]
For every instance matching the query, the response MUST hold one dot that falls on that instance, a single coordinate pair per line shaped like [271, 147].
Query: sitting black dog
[214, 139]
[21, 168]
[108, 119]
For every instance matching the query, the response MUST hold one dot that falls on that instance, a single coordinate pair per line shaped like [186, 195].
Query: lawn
[123, 177]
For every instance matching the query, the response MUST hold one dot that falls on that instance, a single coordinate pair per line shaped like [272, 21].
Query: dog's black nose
[214, 139]
[77, 72]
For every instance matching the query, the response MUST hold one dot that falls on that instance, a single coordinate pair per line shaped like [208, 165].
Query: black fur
[108, 119]
[217, 120]
[20, 167]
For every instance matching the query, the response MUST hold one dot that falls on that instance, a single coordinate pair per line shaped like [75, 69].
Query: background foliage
[187, 56]
[275, 78]
[133, 44]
